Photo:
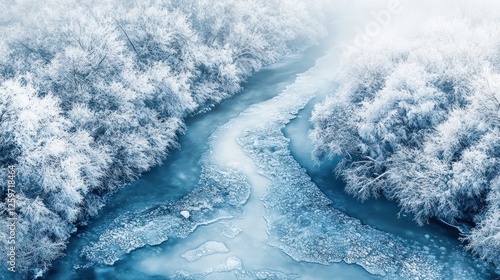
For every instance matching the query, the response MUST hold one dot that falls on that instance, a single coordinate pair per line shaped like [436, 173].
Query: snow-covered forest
[247, 139]
[94, 93]
[416, 118]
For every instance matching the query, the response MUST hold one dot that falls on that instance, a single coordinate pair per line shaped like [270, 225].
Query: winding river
[242, 199]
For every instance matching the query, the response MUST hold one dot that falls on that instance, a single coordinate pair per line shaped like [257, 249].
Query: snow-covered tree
[417, 120]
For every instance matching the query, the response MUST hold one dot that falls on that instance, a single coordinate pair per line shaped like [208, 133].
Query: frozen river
[242, 199]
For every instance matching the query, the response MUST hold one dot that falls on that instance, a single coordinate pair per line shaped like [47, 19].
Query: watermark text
[380, 20]
[12, 218]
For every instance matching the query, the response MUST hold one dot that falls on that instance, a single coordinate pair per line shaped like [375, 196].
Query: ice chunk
[185, 214]
[230, 264]
[229, 230]
[207, 248]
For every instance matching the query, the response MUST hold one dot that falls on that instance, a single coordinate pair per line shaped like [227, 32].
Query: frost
[207, 248]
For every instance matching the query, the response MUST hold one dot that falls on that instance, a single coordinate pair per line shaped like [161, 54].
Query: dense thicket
[93, 94]
[417, 119]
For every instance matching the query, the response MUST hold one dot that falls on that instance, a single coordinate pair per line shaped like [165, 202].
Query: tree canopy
[416, 119]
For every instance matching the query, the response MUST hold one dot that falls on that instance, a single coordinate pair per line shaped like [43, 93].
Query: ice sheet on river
[222, 194]
[303, 223]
